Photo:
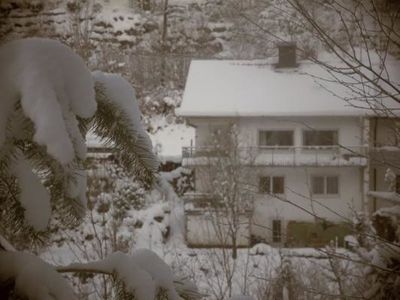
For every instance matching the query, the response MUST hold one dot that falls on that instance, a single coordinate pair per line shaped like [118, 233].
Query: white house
[310, 148]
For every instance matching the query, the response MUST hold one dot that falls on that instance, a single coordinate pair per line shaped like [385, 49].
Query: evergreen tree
[49, 100]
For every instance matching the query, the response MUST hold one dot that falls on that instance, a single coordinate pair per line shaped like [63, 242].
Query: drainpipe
[365, 182]
[375, 171]
[374, 186]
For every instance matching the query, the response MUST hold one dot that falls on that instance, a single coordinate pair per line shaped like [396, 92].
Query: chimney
[287, 55]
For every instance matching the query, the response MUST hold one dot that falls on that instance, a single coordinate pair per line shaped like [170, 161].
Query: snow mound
[261, 249]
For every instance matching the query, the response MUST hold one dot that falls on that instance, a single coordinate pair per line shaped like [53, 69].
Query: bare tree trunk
[234, 247]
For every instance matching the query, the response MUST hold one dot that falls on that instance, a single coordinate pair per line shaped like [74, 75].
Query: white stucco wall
[335, 208]
[211, 230]
[349, 128]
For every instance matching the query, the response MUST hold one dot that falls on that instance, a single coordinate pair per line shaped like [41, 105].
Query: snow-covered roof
[258, 88]
[169, 140]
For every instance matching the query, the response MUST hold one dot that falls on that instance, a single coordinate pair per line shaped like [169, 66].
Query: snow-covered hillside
[189, 29]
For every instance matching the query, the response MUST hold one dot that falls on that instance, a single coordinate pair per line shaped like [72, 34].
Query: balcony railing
[384, 155]
[282, 156]
[193, 201]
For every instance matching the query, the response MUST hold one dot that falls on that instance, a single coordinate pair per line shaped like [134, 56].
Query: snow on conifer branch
[45, 89]
[49, 81]
[117, 121]
[48, 99]
[47, 104]
[34, 197]
[34, 279]
[142, 276]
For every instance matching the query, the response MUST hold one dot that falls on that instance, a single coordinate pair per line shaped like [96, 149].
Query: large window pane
[327, 185]
[276, 138]
[268, 184]
[320, 137]
[317, 183]
[278, 185]
[332, 185]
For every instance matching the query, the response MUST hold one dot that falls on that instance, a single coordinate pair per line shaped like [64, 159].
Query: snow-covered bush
[381, 255]
[48, 101]
[160, 101]
[181, 180]
[122, 216]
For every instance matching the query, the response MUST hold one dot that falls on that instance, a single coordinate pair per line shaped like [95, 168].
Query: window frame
[271, 184]
[303, 134]
[325, 185]
[259, 131]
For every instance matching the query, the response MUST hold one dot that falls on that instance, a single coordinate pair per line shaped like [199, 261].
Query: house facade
[310, 168]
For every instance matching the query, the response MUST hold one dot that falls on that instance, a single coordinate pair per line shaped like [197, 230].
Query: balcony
[384, 155]
[194, 202]
[335, 156]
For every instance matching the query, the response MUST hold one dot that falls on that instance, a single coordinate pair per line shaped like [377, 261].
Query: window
[325, 185]
[332, 185]
[320, 137]
[276, 231]
[398, 184]
[318, 185]
[264, 185]
[275, 138]
[287, 55]
[274, 184]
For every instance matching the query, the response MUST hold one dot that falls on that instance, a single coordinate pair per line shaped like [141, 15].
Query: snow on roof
[257, 88]
[170, 139]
